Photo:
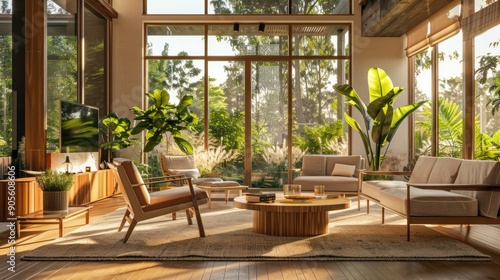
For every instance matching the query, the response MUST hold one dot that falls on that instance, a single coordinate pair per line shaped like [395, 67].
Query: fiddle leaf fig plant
[162, 117]
[120, 130]
[381, 120]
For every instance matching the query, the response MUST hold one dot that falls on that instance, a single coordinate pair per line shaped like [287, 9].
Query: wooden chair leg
[174, 216]
[407, 230]
[188, 215]
[129, 231]
[198, 219]
[127, 213]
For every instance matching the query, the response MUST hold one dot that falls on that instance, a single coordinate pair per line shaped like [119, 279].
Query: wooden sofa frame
[438, 220]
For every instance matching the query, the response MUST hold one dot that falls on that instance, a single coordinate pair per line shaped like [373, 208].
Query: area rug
[354, 236]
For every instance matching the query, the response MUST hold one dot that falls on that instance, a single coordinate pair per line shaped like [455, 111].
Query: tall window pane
[269, 124]
[450, 97]
[226, 121]
[5, 85]
[62, 67]
[179, 77]
[423, 91]
[95, 71]
[487, 92]
[318, 111]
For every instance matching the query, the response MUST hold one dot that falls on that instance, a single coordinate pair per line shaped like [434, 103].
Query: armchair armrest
[295, 169]
[168, 180]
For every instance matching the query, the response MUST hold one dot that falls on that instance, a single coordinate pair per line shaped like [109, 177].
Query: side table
[58, 218]
[222, 186]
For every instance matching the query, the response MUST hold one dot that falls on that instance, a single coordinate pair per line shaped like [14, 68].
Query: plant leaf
[379, 83]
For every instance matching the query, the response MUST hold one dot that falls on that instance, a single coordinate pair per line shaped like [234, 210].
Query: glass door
[268, 123]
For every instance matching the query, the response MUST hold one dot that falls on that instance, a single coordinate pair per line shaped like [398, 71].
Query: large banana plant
[381, 120]
[162, 117]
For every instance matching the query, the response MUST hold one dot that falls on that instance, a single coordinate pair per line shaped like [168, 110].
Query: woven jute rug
[354, 235]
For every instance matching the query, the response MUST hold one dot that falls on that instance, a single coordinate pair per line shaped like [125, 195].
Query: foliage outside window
[5, 83]
[248, 7]
[487, 92]
[317, 125]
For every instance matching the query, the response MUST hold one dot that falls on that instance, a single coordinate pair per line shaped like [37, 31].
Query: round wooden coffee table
[291, 218]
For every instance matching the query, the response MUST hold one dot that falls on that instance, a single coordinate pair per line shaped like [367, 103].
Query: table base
[290, 223]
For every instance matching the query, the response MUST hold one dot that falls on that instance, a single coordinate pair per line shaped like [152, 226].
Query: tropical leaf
[379, 83]
[380, 118]
[400, 115]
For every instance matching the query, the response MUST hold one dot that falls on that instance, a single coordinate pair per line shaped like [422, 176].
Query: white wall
[128, 65]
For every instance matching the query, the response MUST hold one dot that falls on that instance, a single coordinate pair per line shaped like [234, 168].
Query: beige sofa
[337, 173]
[439, 191]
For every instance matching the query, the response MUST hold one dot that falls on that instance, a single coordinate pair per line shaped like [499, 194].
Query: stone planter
[55, 202]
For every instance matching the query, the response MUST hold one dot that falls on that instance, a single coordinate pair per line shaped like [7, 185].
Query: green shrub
[54, 181]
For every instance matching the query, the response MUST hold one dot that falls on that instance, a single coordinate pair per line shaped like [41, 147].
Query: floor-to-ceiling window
[72, 77]
[263, 90]
[5, 85]
[439, 75]
[487, 94]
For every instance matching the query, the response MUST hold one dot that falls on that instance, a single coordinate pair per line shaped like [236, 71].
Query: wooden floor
[484, 238]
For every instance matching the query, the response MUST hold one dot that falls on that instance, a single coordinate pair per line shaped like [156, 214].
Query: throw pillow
[343, 170]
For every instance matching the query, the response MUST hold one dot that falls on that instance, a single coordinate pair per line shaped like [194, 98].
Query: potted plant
[381, 119]
[55, 186]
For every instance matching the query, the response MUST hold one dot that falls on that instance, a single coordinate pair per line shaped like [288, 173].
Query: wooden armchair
[142, 205]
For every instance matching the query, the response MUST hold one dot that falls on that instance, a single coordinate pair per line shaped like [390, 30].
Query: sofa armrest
[455, 187]
[369, 172]
[389, 173]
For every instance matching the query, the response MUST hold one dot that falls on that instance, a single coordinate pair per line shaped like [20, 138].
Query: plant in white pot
[55, 186]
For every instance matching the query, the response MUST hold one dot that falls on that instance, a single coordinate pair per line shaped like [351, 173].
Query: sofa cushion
[445, 170]
[481, 172]
[422, 169]
[332, 160]
[373, 188]
[343, 170]
[331, 183]
[313, 165]
[429, 202]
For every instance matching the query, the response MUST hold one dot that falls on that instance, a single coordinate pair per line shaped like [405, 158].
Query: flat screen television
[79, 128]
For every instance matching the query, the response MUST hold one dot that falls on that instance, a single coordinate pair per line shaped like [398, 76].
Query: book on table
[260, 197]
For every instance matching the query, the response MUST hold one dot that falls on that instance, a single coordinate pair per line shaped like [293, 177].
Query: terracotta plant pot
[55, 202]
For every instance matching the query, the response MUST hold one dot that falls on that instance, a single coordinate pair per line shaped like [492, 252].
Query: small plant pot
[55, 202]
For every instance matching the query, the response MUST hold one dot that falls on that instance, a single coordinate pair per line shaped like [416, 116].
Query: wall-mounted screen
[79, 128]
